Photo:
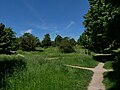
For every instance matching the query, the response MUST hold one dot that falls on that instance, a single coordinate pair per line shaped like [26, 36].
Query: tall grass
[9, 64]
[48, 76]
[42, 73]
[77, 58]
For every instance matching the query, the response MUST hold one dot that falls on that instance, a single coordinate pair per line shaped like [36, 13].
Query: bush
[65, 47]
[46, 41]
[28, 42]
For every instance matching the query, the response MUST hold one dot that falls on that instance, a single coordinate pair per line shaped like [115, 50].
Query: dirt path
[97, 78]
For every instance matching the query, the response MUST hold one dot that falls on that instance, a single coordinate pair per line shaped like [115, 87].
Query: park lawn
[46, 71]
[109, 65]
[78, 58]
[109, 83]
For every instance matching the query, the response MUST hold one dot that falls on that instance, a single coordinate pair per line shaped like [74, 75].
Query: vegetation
[102, 25]
[46, 70]
[46, 41]
[85, 41]
[65, 47]
[72, 42]
[112, 79]
[58, 40]
[102, 35]
[109, 65]
[28, 42]
[7, 37]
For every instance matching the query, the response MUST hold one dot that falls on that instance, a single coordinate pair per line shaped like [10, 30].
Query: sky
[39, 17]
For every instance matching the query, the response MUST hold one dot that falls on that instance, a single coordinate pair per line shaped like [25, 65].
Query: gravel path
[97, 78]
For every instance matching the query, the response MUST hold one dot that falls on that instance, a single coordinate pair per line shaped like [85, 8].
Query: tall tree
[84, 40]
[46, 41]
[7, 37]
[58, 40]
[28, 42]
[72, 41]
[100, 22]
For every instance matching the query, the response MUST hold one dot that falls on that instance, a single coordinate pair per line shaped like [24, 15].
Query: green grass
[109, 84]
[46, 71]
[109, 65]
[49, 76]
[78, 58]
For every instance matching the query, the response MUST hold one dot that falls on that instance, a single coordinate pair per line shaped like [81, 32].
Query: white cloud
[29, 31]
[45, 27]
[26, 31]
[69, 25]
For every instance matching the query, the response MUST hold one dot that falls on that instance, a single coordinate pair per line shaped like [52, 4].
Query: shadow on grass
[7, 68]
[115, 75]
[39, 50]
[104, 57]
[34, 50]
[8, 52]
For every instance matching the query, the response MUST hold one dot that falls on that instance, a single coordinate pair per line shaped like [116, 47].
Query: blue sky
[62, 17]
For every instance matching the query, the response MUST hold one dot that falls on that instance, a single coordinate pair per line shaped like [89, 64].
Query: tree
[58, 40]
[84, 40]
[72, 41]
[53, 44]
[46, 41]
[28, 42]
[100, 22]
[16, 44]
[65, 46]
[7, 37]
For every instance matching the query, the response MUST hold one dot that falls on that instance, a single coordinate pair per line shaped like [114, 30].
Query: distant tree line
[28, 42]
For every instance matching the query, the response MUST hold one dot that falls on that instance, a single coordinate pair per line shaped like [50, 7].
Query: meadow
[44, 69]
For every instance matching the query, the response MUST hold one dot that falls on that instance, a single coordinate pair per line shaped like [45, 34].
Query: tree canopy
[7, 37]
[65, 46]
[102, 24]
[58, 40]
[46, 41]
[28, 42]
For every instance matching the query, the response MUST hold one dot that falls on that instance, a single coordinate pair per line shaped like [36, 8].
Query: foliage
[84, 40]
[78, 57]
[46, 41]
[101, 22]
[28, 42]
[72, 42]
[7, 37]
[8, 64]
[108, 65]
[112, 79]
[58, 40]
[16, 44]
[46, 71]
[65, 46]
[48, 76]
[53, 43]
[102, 27]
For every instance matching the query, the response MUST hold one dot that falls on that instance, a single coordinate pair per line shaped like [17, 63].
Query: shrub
[46, 41]
[65, 47]
[28, 42]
